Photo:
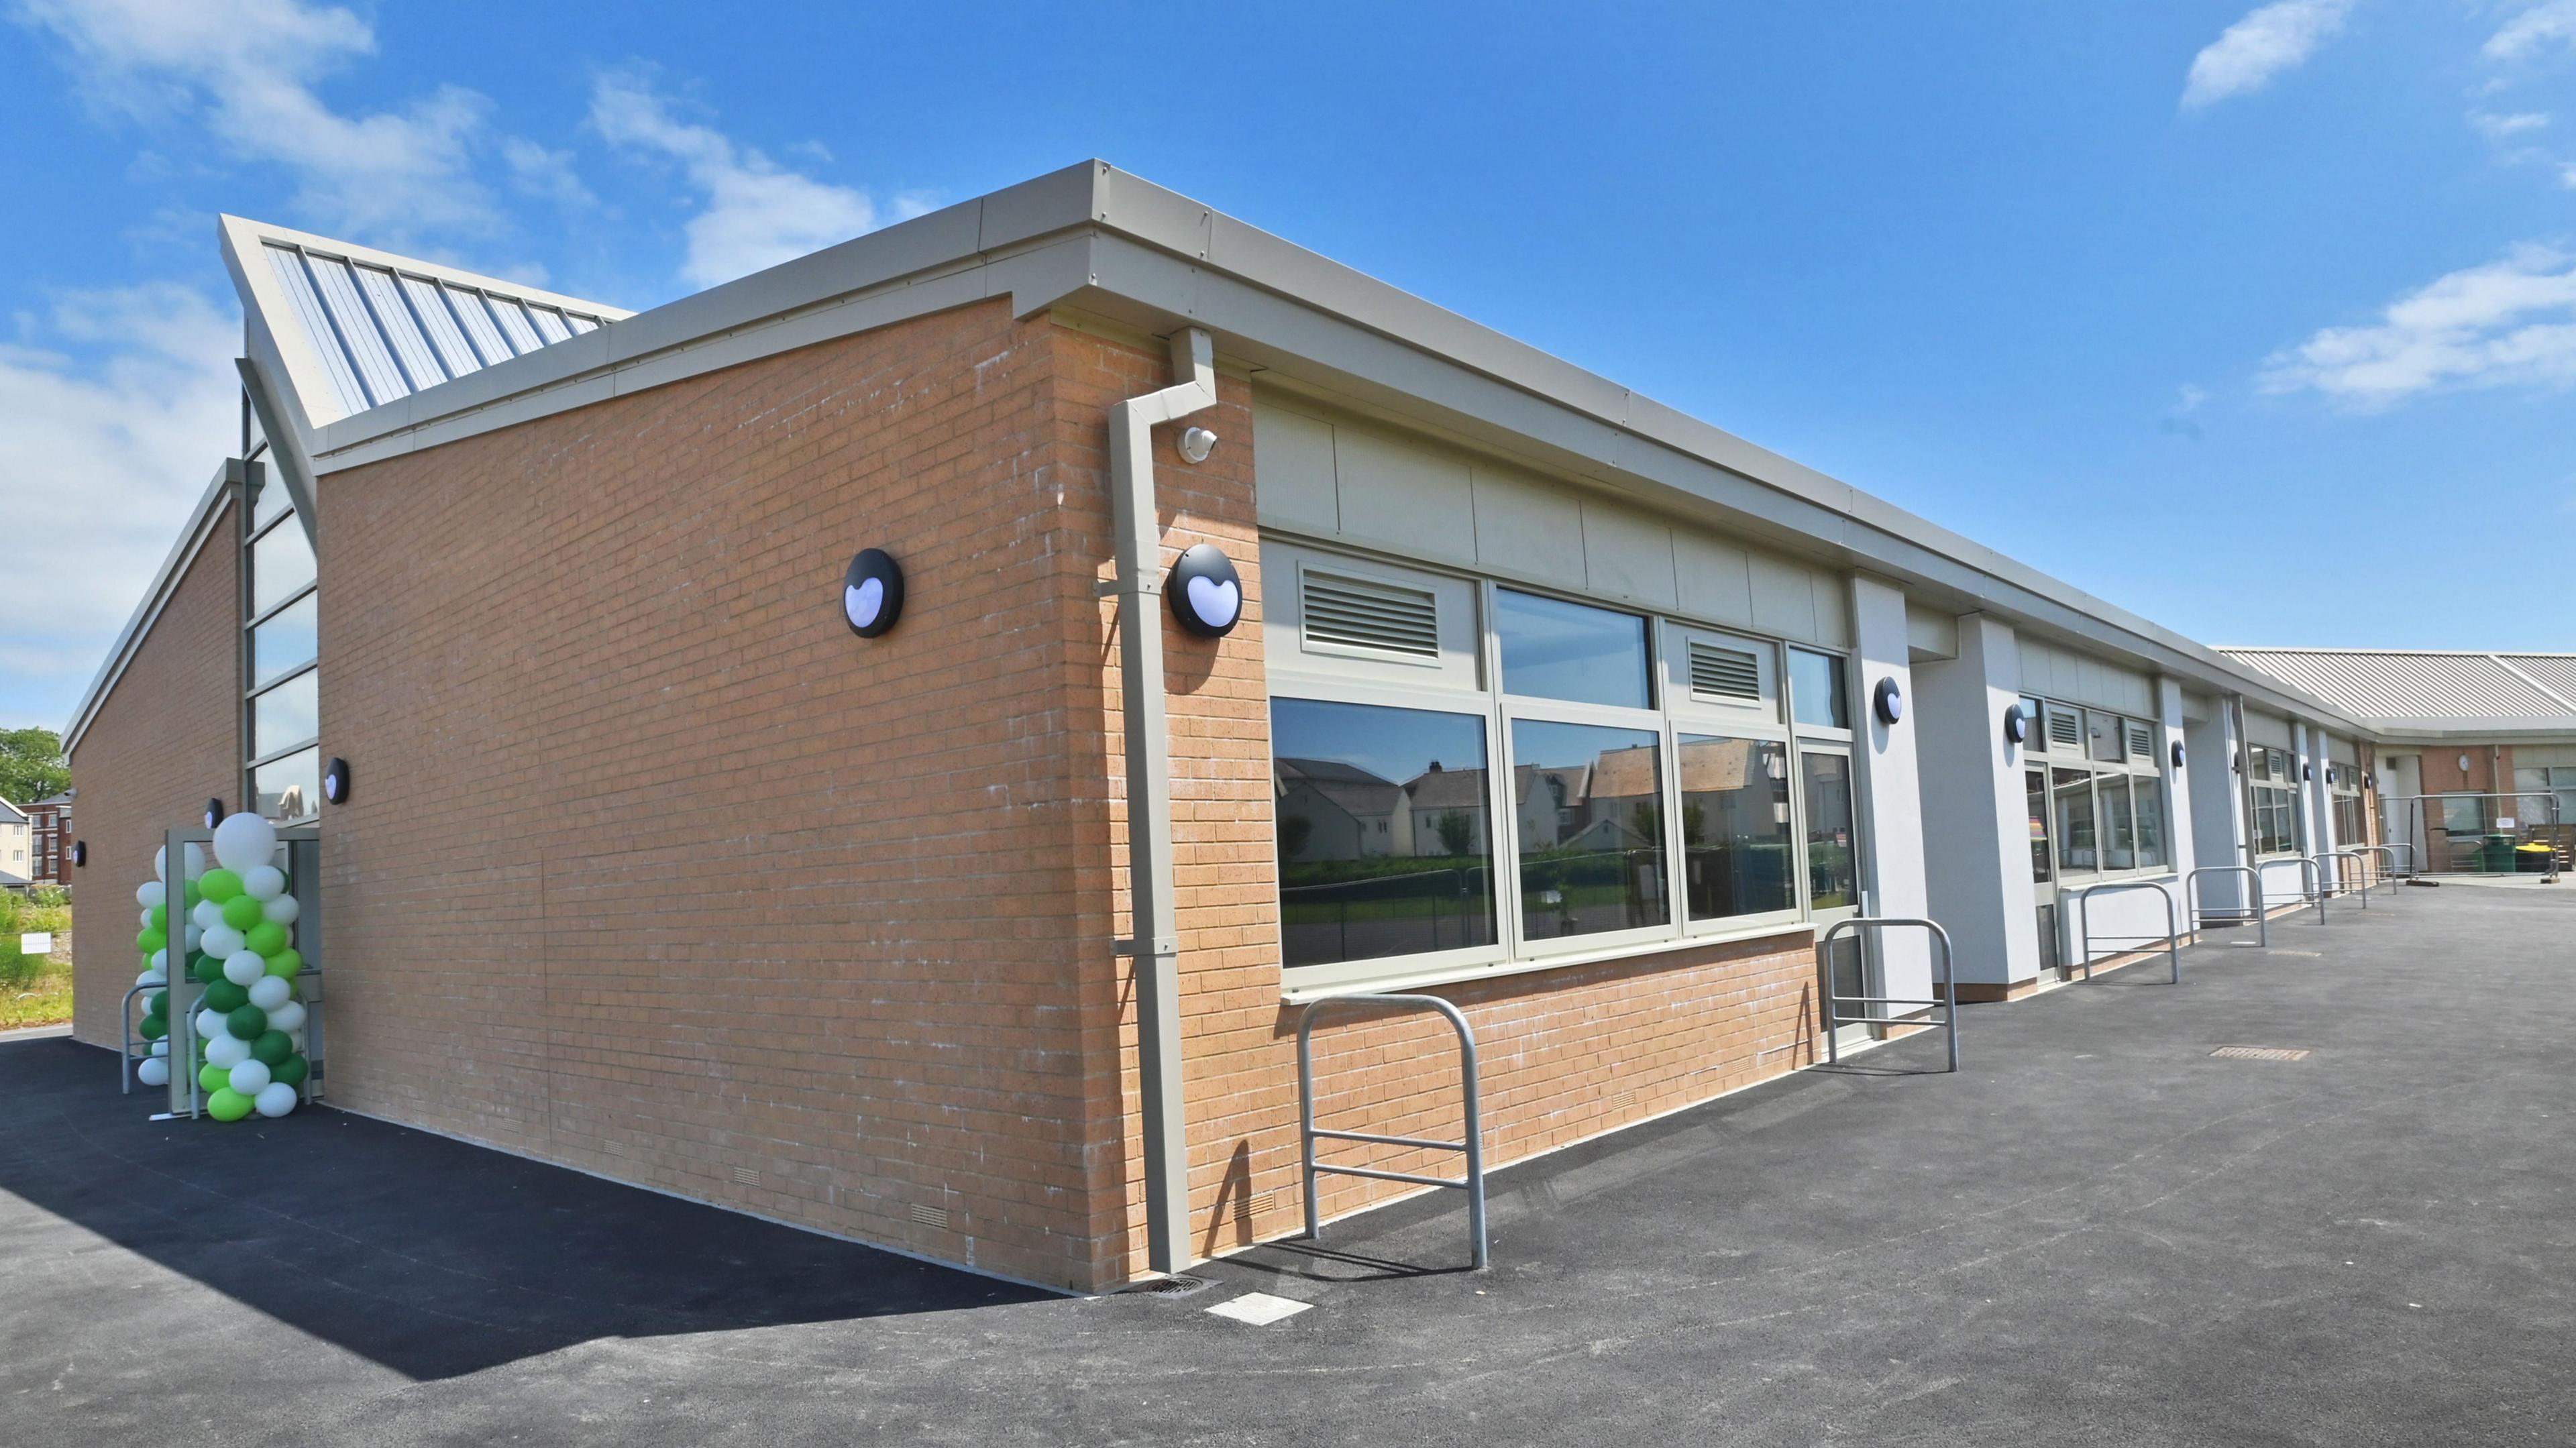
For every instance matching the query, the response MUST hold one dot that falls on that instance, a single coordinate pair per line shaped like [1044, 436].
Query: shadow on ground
[432, 1257]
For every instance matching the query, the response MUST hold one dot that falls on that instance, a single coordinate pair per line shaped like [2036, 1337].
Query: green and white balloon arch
[236, 937]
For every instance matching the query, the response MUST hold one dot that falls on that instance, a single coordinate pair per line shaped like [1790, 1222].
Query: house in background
[49, 846]
[16, 836]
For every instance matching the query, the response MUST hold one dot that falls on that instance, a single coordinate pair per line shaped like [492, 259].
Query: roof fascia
[192, 541]
[286, 449]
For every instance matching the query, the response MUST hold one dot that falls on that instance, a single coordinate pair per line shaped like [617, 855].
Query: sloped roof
[2406, 690]
[353, 328]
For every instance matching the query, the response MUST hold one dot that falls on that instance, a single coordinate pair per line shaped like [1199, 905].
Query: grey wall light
[872, 593]
[214, 813]
[1196, 443]
[80, 853]
[2177, 754]
[1889, 701]
[2016, 724]
[1207, 595]
[335, 781]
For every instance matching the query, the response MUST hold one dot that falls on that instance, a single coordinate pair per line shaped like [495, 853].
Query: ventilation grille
[1382, 618]
[929, 1216]
[1717, 673]
[2065, 729]
[2142, 743]
[747, 1176]
[2261, 1053]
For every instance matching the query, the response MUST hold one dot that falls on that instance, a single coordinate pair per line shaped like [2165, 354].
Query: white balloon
[245, 841]
[227, 1051]
[210, 1024]
[208, 914]
[161, 960]
[161, 1047]
[283, 910]
[150, 893]
[274, 1099]
[222, 940]
[287, 1017]
[250, 1077]
[153, 1071]
[161, 863]
[245, 967]
[147, 978]
[268, 992]
[143, 918]
[192, 859]
[263, 882]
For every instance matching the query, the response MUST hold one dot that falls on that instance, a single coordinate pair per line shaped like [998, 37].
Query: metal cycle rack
[1948, 1004]
[2314, 881]
[1474, 1146]
[125, 1024]
[2173, 928]
[2253, 914]
[2362, 857]
[2390, 849]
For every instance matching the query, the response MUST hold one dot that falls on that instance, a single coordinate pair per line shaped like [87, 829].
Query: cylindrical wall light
[2177, 754]
[1207, 595]
[80, 853]
[214, 813]
[872, 593]
[1889, 700]
[335, 781]
[2016, 724]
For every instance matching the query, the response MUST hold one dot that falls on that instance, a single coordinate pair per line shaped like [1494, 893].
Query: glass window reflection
[1385, 841]
[1816, 689]
[287, 714]
[1833, 865]
[286, 641]
[1589, 807]
[1558, 650]
[281, 563]
[1736, 833]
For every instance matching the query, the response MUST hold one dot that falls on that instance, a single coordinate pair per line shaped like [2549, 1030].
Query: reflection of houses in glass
[1609, 804]
[1334, 811]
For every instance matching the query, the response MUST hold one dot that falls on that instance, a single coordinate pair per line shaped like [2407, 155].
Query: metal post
[2314, 881]
[1947, 1002]
[1470, 1075]
[2261, 917]
[2173, 929]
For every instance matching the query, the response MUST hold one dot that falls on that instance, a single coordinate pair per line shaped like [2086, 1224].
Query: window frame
[1671, 712]
[2081, 756]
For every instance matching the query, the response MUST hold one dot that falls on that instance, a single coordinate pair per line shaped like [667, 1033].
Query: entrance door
[1833, 875]
[2043, 867]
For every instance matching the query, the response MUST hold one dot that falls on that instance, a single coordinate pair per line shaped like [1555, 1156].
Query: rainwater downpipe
[1156, 945]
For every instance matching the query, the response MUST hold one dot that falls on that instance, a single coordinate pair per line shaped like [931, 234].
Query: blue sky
[2259, 320]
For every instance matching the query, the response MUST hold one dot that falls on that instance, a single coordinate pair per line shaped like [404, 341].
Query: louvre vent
[2142, 743]
[2065, 729]
[747, 1176]
[1382, 618]
[1717, 673]
[929, 1216]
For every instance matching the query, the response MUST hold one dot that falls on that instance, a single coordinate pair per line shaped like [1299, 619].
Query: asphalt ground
[2097, 1233]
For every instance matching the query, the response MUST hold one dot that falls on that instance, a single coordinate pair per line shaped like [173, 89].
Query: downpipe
[1156, 945]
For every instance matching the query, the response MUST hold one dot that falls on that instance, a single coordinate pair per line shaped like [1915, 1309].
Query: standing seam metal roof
[2410, 684]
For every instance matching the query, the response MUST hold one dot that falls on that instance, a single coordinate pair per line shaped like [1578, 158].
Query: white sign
[2506, 823]
[39, 943]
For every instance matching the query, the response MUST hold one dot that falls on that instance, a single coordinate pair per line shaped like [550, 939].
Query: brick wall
[653, 868]
[165, 740]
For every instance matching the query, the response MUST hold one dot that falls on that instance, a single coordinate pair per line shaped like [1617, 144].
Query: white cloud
[2551, 23]
[2273, 39]
[103, 459]
[2504, 128]
[757, 213]
[2511, 322]
[249, 72]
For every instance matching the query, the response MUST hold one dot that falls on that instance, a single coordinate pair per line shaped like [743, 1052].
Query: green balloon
[272, 1047]
[219, 884]
[191, 895]
[245, 1021]
[154, 1027]
[241, 912]
[161, 919]
[267, 937]
[157, 1003]
[149, 941]
[206, 969]
[223, 997]
[213, 1078]
[284, 962]
[292, 1070]
[227, 1105]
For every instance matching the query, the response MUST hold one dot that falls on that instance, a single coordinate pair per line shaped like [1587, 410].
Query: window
[2119, 826]
[286, 714]
[281, 565]
[1591, 827]
[1816, 689]
[1736, 839]
[1634, 778]
[2544, 790]
[289, 789]
[2272, 778]
[2104, 791]
[286, 639]
[1385, 845]
[282, 770]
[1572, 651]
[2078, 853]
[2150, 793]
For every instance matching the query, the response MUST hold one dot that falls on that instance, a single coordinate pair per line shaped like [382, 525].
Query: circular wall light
[1207, 596]
[335, 781]
[214, 813]
[2464, 764]
[2308, 772]
[1889, 701]
[80, 853]
[872, 593]
[2177, 754]
[2016, 724]
[1196, 443]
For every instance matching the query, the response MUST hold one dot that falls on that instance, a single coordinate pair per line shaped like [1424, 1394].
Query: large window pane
[1589, 802]
[1385, 841]
[272, 499]
[1816, 689]
[2119, 825]
[287, 714]
[287, 641]
[1833, 863]
[2077, 851]
[289, 789]
[2104, 735]
[2151, 823]
[1558, 650]
[280, 563]
[1735, 827]
[2035, 795]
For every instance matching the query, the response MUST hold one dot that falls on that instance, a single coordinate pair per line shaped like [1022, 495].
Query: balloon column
[236, 936]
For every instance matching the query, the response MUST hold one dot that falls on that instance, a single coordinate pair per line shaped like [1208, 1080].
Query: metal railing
[125, 1028]
[2360, 858]
[2312, 888]
[2173, 927]
[2482, 832]
[2390, 848]
[1474, 1146]
[2252, 914]
[1947, 1003]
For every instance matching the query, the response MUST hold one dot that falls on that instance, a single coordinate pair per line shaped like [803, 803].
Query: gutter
[1156, 945]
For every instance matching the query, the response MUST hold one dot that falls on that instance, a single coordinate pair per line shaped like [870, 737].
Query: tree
[32, 765]
[1457, 832]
